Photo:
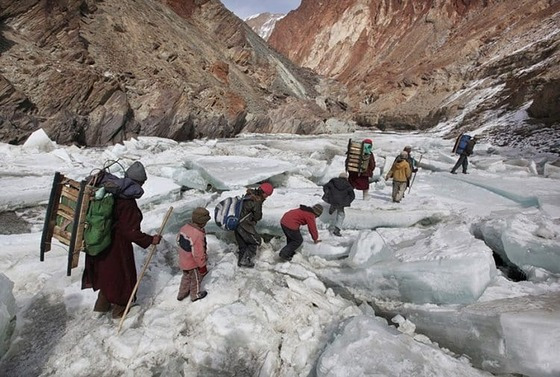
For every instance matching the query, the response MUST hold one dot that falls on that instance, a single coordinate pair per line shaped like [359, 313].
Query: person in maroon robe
[113, 271]
[360, 181]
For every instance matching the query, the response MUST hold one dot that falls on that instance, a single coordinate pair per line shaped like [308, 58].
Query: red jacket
[192, 247]
[295, 218]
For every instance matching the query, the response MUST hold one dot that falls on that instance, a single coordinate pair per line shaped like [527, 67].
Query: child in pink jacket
[192, 255]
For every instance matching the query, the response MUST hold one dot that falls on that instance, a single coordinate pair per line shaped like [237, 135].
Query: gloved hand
[156, 239]
[203, 270]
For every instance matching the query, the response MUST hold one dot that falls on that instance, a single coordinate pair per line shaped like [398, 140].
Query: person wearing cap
[400, 172]
[113, 271]
[463, 158]
[291, 223]
[193, 255]
[339, 193]
[411, 160]
[246, 235]
[360, 181]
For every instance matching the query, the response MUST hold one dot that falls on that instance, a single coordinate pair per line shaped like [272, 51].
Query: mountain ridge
[416, 64]
[99, 72]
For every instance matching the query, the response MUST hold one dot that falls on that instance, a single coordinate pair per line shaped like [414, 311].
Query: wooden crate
[65, 217]
[356, 161]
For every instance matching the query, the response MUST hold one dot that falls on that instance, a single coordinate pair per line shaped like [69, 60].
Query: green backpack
[99, 223]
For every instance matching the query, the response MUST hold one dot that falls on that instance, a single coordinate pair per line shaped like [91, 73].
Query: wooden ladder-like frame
[65, 217]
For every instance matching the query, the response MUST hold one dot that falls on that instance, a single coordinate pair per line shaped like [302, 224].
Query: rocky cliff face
[419, 63]
[93, 72]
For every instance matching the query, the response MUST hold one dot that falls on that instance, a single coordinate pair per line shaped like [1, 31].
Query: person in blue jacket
[463, 158]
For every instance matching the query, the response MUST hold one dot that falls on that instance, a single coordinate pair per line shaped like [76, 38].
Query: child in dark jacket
[339, 193]
[192, 255]
[246, 235]
[292, 221]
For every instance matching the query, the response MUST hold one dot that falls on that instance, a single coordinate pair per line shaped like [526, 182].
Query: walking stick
[150, 255]
[413, 178]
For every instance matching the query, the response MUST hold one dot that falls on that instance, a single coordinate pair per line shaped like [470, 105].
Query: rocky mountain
[263, 23]
[458, 64]
[93, 72]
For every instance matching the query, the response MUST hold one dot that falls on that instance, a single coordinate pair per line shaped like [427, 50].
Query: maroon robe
[114, 270]
[361, 182]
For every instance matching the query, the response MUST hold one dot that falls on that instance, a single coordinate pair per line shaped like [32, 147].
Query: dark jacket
[339, 192]
[470, 146]
[251, 211]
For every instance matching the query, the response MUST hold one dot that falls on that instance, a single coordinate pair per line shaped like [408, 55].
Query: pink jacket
[192, 247]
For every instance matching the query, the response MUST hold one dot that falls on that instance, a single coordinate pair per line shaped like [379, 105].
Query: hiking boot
[452, 172]
[336, 232]
[182, 296]
[240, 258]
[246, 261]
[101, 304]
[200, 296]
[284, 258]
[465, 172]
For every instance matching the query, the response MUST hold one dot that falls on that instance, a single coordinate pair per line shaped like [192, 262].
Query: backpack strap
[245, 198]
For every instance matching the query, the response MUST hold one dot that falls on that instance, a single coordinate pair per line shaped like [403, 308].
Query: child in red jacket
[192, 255]
[291, 222]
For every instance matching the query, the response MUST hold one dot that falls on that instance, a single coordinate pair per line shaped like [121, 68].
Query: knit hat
[343, 175]
[367, 141]
[267, 188]
[404, 154]
[200, 216]
[317, 209]
[136, 172]
[408, 148]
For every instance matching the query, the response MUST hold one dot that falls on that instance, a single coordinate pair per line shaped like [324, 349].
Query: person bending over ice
[291, 223]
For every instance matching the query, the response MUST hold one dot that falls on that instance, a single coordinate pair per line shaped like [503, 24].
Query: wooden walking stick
[150, 255]
[413, 178]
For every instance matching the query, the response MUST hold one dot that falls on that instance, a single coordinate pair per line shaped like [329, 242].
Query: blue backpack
[461, 143]
[228, 212]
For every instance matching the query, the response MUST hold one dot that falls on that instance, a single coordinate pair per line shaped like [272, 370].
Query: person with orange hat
[360, 181]
[246, 235]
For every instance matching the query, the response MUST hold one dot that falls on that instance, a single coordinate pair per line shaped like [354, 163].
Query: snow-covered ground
[410, 289]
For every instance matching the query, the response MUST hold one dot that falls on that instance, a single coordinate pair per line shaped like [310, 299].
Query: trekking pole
[150, 255]
[413, 178]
